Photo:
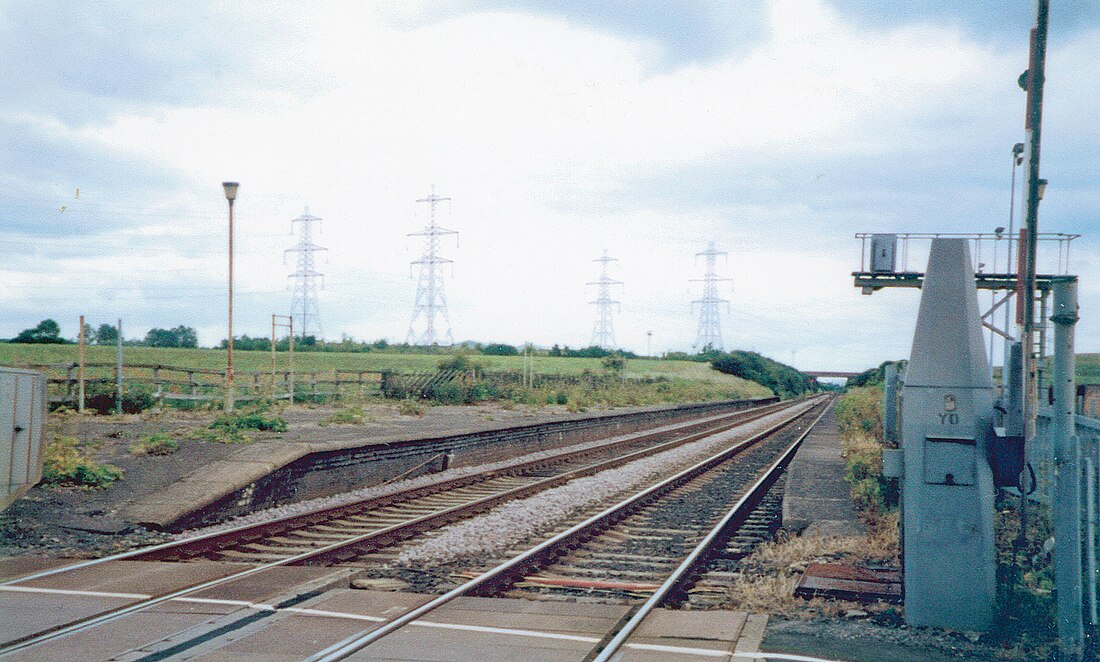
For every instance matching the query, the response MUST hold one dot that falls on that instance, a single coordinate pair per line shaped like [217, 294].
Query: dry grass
[772, 571]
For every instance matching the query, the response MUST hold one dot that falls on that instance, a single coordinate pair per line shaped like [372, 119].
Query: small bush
[410, 407]
[255, 420]
[154, 444]
[460, 363]
[65, 463]
[136, 398]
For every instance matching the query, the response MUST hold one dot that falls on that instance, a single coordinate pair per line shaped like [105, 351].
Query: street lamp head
[230, 190]
[998, 231]
[1042, 188]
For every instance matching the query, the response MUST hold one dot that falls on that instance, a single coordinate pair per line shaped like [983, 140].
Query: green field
[1088, 368]
[22, 355]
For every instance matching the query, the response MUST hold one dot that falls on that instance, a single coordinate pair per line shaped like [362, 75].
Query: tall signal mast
[603, 332]
[306, 278]
[431, 302]
[710, 323]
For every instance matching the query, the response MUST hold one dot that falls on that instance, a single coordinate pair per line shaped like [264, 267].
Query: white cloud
[518, 116]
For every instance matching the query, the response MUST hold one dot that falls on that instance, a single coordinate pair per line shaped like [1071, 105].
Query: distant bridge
[830, 373]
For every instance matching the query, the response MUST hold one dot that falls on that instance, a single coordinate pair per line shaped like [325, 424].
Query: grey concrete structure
[947, 488]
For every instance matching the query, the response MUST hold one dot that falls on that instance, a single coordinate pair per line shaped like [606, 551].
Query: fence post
[192, 385]
[160, 386]
[118, 371]
[83, 341]
[70, 383]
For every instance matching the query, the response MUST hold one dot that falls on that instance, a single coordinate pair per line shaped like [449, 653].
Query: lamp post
[230, 195]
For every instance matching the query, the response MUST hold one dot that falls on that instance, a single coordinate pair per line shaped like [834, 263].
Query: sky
[558, 129]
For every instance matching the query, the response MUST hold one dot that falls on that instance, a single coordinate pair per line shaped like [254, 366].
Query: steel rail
[246, 532]
[683, 572]
[386, 535]
[502, 573]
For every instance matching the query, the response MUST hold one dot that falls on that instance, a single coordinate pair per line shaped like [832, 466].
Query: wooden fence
[157, 383]
[173, 383]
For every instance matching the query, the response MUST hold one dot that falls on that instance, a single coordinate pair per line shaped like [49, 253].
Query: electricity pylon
[303, 305]
[603, 332]
[710, 324]
[431, 302]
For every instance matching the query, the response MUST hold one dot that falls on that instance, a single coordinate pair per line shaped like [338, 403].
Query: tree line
[48, 332]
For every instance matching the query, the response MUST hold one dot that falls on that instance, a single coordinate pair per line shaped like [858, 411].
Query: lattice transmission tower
[306, 278]
[710, 323]
[431, 302]
[603, 331]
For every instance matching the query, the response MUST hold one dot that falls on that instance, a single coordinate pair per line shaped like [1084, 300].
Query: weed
[410, 407]
[1025, 580]
[345, 416]
[65, 463]
[859, 411]
[253, 420]
[859, 419]
[773, 569]
[154, 444]
[219, 436]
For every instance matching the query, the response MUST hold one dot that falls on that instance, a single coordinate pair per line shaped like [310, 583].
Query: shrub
[859, 419]
[136, 398]
[154, 444]
[255, 420]
[410, 407]
[65, 463]
[859, 411]
[460, 363]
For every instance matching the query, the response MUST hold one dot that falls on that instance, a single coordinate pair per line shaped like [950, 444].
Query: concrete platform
[290, 613]
[817, 499]
[282, 471]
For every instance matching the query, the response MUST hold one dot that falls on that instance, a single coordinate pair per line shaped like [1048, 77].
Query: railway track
[337, 534]
[645, 549]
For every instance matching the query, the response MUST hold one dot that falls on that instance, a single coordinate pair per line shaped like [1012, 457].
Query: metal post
[1090, 540]
[118, 372]
[80, 377]
[1033, 82]
[229, 362]
[231, 196]
[890, 407]
[1040, 364]
[273, 357]
[1017, 159]
[291, 359]
[1067, 476]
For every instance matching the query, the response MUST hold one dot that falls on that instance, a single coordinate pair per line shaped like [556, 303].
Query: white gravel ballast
[510, 524]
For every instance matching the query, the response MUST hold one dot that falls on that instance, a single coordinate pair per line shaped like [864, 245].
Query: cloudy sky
[559, 129]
